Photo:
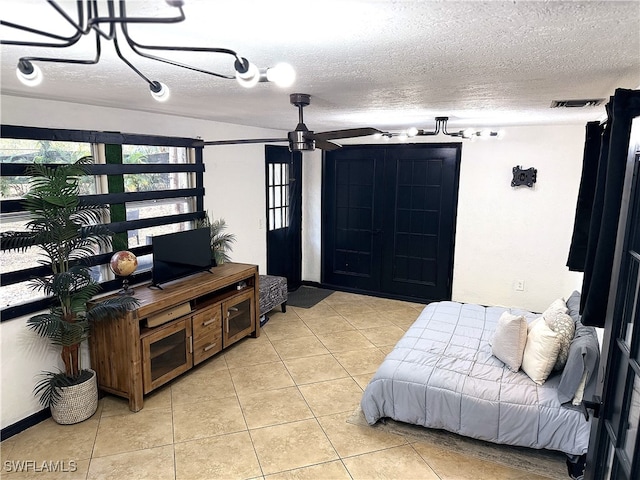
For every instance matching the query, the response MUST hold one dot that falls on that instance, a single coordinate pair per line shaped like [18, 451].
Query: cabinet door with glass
[238, 318]
[166, 353]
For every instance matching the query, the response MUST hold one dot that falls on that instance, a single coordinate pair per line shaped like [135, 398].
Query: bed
[442, 374]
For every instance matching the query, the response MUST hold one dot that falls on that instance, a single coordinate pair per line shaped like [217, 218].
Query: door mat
[307, 297]
[546, 463]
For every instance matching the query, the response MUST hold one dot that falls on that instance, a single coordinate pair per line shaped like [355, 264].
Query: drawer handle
[209, 347]
[208, 322]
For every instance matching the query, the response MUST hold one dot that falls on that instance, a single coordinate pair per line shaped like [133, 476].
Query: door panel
[352, 230]
[389, 216]
[615, 444]
[284, 214]
[421, 201]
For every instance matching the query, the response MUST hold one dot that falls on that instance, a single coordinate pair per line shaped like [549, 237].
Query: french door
[389, 219]
[284, 213]
[614, 450]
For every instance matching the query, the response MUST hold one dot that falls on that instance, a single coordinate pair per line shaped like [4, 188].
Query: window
[278, 195]
[151, 185]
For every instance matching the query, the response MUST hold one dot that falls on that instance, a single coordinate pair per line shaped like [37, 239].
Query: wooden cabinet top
[153, 300]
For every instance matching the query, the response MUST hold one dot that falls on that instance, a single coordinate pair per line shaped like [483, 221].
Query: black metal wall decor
[524, 177]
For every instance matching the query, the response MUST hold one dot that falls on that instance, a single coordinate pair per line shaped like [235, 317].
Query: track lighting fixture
[89, 21]
[441, 127]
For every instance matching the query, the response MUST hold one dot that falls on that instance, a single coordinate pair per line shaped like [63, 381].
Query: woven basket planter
[78, 402]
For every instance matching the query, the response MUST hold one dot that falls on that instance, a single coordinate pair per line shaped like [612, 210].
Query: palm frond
[48, 389]
[111, 308]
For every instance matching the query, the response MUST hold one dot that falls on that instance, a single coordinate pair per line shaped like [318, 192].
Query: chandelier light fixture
[441, 127]
[90, 22]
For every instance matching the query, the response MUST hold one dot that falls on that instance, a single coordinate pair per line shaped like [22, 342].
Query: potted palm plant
[67, 231]
[220, 241]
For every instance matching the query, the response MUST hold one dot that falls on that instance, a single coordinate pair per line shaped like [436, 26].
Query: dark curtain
[578, 249]
[605, 208]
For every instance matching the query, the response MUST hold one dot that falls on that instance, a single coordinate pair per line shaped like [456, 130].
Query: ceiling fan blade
[326, 145]
[246, 140]
[346, 133]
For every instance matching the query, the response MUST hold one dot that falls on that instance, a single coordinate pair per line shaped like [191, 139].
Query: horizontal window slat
[9, 278]
[19, 169]
[119, 227]
[88, 136]
[112, 286]
[14, 206]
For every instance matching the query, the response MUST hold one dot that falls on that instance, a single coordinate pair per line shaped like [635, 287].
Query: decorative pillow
[563, 325]
[509, 339]
[584, 357]
[540, 352]
[558, 304]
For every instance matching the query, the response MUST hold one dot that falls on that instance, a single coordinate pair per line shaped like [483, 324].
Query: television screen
[179, 254]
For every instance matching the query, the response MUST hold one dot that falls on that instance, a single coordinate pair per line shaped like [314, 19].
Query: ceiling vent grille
[589, 102]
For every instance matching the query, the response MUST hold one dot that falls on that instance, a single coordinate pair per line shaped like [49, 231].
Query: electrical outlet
[519, 285]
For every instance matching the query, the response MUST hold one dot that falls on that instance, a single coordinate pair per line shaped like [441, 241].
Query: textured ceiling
[386, 64]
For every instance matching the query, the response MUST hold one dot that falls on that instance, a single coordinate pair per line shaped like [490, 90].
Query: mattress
[441, 374]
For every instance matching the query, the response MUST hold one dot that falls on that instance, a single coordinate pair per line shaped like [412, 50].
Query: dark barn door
[284, 214]
[389, 219]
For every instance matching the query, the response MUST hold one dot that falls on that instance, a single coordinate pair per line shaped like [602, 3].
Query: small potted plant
[220, 241]
[67, 231]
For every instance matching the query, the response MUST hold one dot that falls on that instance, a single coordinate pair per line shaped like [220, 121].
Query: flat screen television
[177, 255]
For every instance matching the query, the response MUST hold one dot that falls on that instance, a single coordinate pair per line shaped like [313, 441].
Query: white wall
[503, 234]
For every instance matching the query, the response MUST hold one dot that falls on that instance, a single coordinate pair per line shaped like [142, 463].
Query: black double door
[389, 219]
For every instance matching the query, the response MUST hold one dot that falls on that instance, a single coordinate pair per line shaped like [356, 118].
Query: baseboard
[25, 423]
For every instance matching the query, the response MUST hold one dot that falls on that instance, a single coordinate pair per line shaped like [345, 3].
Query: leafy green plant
[220, 241]
[67, 231]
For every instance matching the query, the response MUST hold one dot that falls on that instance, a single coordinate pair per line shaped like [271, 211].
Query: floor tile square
[318, 368]
[299, 347]
[126, 433]
[283, 327]
[259, 378]
[274, 407]
[156, 463]
[345, 341]
[324, 471]
[207, 419]
[225, 456]
[398, 462]
[349, 439]
[291, 445]
[360, 362]
[333, 396]
[201, 385]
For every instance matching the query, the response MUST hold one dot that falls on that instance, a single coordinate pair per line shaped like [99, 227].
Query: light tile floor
[274, 407]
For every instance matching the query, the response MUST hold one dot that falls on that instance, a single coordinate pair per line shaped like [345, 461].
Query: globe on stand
[123, 264]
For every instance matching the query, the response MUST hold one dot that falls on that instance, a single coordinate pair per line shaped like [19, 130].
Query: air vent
[590, 102]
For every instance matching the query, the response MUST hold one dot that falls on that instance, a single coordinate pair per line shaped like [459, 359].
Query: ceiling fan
[302, 139]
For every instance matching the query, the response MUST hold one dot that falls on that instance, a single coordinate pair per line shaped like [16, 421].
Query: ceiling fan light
[29, 74]
[282, 74]
[468, 133]
[159, 91]
[247, 74]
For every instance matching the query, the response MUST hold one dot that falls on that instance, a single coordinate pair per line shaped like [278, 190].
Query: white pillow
[563, 325]
[509, 339]
[540, 352]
